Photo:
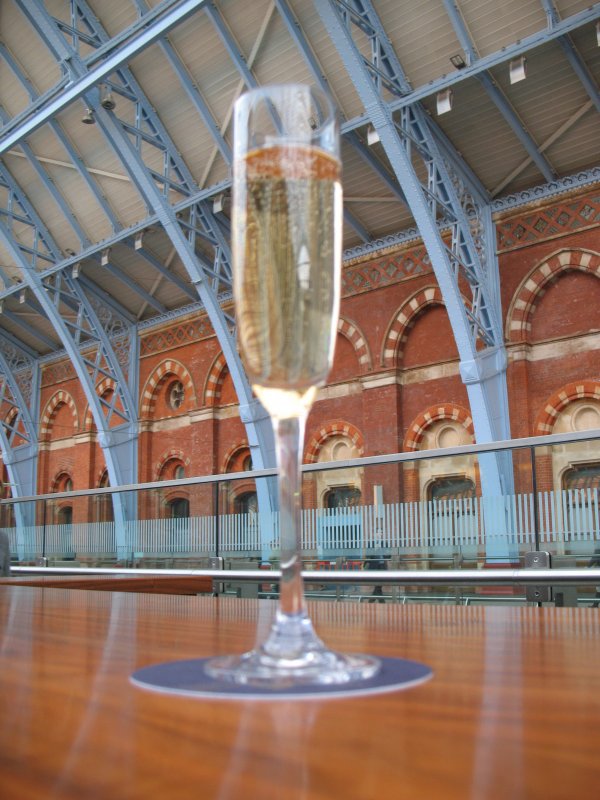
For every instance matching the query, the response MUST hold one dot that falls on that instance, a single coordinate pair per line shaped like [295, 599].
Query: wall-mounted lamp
[88, 118]
[458, 61]
[372, 136]
[518, 69]
[107, 100]
[443, 101]
[105, 257]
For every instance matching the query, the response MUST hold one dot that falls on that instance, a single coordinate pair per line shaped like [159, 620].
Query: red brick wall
[368, 389]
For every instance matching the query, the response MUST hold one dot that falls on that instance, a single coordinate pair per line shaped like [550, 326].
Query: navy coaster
[188, 678]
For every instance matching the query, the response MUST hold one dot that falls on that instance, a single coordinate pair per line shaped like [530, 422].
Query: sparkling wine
[285, 240]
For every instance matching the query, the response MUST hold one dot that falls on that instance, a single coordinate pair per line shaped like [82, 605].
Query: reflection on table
[513, 710]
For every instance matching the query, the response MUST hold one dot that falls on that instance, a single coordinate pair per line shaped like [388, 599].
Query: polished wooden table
[513, 710]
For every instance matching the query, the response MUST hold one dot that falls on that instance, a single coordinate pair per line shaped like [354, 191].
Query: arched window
[104, 510]
[581, 486]
[178, 508]
[451, 515]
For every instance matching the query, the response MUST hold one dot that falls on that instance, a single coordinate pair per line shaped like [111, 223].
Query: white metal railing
[569, 516]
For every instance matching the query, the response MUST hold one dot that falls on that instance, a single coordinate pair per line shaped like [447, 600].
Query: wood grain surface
[513, 709]
[159, 584]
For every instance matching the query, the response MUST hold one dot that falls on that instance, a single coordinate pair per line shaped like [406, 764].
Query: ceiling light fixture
[106, 98]
[458, 61]
[444, 101]
[105, 257]
[518, 69]
[139, 240]
[88, 118]
[218, 203]
[76, 269]
[372, 136]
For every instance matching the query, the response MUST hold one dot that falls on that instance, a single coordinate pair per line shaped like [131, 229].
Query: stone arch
[214, 381]
[337, 428]
[164, 370]
[578, 390]
[172, 454]
[57, 400]
[350, 331]
[397, 331]
[533, 286]
[419, 425]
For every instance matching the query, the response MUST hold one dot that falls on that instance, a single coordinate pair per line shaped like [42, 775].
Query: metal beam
[477, 329]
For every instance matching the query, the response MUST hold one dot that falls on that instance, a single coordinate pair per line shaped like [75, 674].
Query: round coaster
[189, 678]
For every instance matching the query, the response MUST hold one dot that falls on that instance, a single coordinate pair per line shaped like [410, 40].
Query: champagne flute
[286, 246]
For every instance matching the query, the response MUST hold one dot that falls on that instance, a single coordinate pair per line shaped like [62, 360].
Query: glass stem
[289, 437]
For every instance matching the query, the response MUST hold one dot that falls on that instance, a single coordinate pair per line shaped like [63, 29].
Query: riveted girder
[137, 135]
[451, 213]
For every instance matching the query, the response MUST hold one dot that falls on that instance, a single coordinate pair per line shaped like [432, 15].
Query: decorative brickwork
[163, 371]
[57, 372]
[365, 276]
[232, 457]
[532, 287]
[449, 411]
[186, 332]
[214, 381]
[569, 393]
[57, 400]
[338, 428]
[405, 317]
[358, 341]
[172, 454]
[573, 214]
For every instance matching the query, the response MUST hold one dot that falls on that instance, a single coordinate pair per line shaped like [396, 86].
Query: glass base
[292, 655]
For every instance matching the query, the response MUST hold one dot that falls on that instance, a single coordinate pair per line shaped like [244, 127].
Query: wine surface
[287, 259]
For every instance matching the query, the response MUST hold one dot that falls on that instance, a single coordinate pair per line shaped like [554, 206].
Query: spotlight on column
[107, 100]
[518, 69]
[105, 257]
[372, 136]
[88, 118]
[443, 101]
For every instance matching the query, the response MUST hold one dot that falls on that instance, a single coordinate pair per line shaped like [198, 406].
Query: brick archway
[449, 411]
[214, 381]
[338, 428]
[59, 399]
[172, 454]
[397, 332]
[350, 331]
[230, 455]
[578, 390]
[163, 371]
[533, 286]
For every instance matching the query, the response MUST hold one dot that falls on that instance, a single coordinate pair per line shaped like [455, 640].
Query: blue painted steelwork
[153, 186]
[79, 324]
[19, 393]
[494, 93]
[117, 52]
[447, 198]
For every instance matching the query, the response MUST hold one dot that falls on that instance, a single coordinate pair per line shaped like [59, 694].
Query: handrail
[365, 461]
[439, 577]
